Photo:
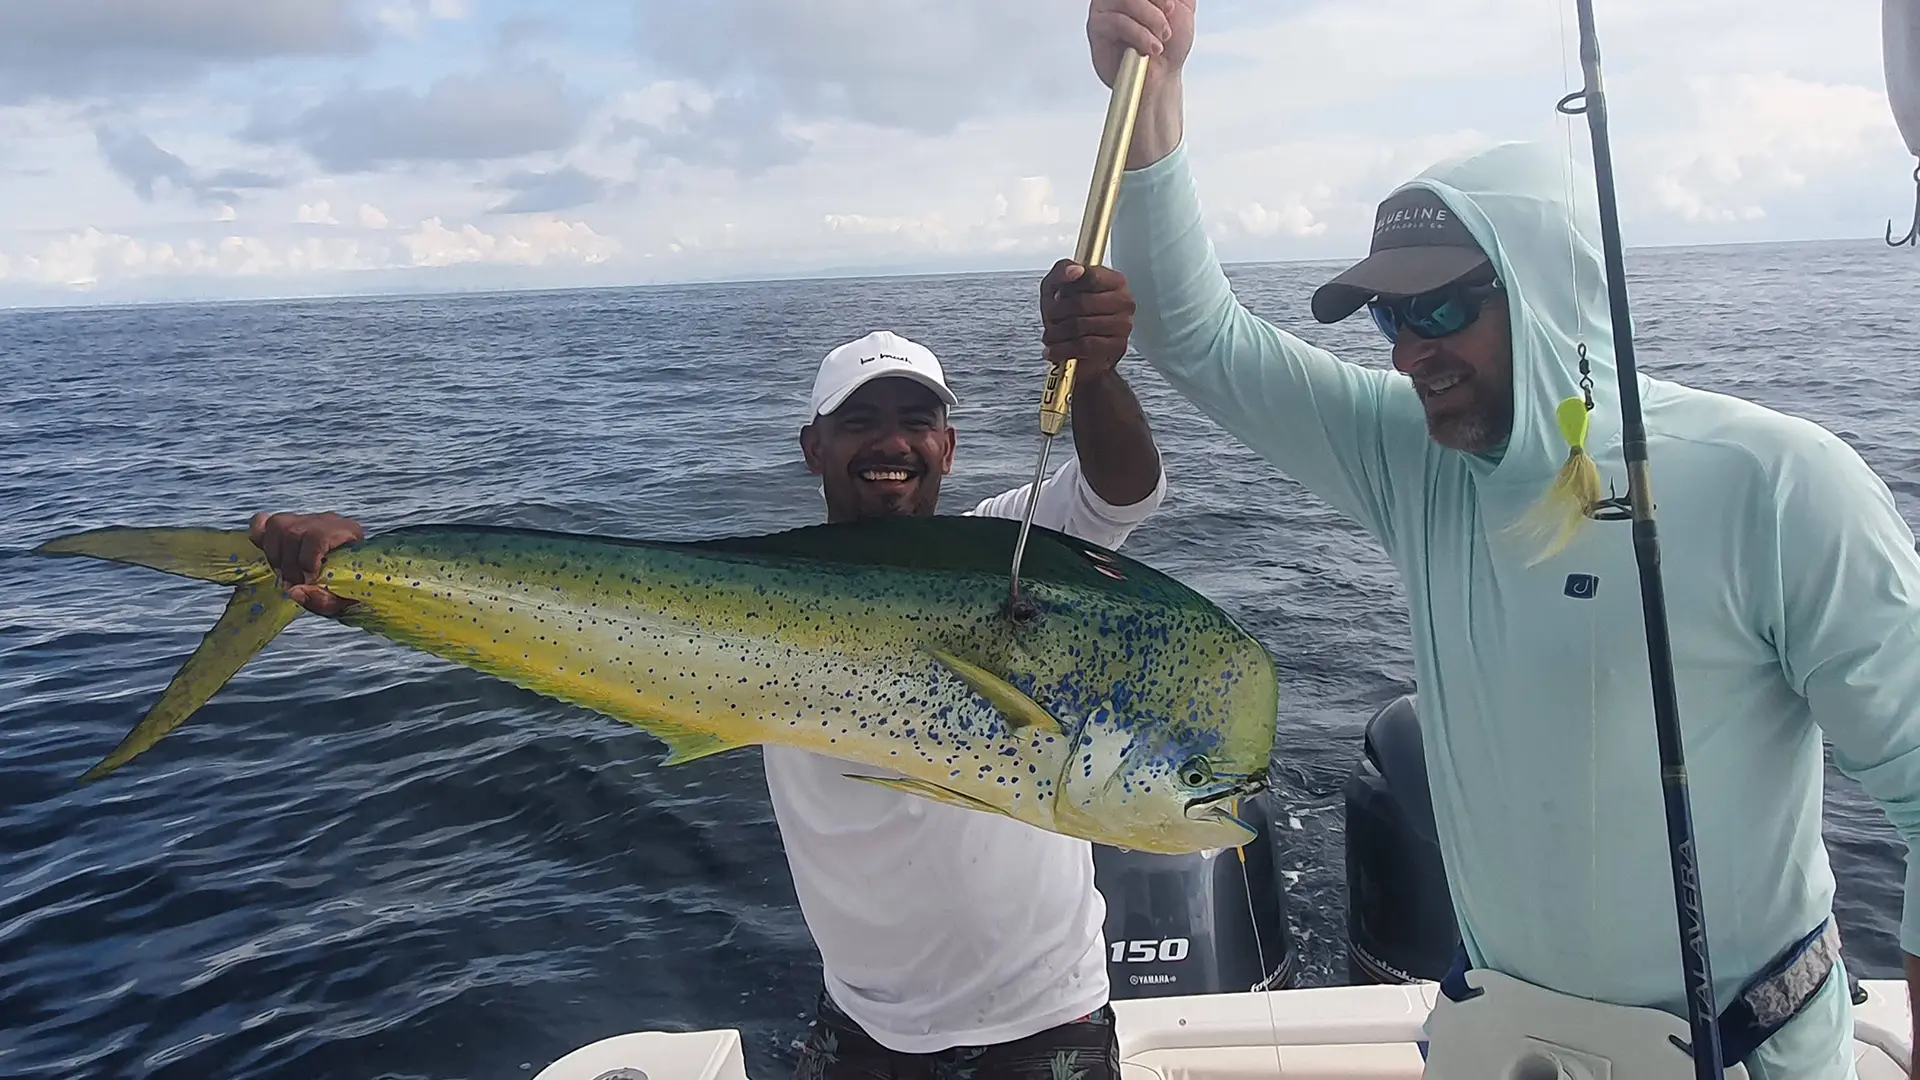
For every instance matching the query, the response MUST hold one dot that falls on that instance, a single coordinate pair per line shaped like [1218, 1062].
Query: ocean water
[360, 862]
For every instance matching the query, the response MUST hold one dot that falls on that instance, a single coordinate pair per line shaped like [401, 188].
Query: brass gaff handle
[1097, 221]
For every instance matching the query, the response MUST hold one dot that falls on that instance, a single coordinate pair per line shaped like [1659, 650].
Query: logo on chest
[1582, 586]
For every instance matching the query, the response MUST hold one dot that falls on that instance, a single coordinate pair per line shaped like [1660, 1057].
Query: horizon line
[879, 272]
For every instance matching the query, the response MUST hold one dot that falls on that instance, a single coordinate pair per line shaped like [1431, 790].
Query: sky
[176, 149]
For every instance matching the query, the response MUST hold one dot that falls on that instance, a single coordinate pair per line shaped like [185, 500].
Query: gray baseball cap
[1419, 244]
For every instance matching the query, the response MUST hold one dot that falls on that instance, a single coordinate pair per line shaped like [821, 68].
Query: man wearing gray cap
[1482, 463]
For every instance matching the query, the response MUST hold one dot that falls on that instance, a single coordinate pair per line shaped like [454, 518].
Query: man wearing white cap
[956, 945]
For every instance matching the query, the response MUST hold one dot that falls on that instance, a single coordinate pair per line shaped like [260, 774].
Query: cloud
[1026, 220]
[535, 244]
[460, 118]
[138, 160]
[92, 258]
[319, 213]
[545, 192]
[1730, 120]
[918, 67]
[1294, 218]
[1030, 204]
[735, 131]
[74, 48]
[141, 163]
[761, 137]
[1755, 137]
[516, 31]
[410, 16]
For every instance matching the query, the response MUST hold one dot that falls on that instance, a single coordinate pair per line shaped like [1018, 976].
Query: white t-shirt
[939, 926]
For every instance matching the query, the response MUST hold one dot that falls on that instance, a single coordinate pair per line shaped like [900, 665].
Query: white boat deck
[1319, 1033]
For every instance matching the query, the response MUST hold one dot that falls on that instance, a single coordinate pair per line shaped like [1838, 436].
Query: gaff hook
[1913, 231]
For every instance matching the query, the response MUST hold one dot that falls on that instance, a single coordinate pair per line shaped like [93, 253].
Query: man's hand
[1160, 30]
[295, 545]
[1088, 314]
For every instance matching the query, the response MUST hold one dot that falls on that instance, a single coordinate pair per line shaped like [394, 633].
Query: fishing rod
[1681, 846]
[1096, 223]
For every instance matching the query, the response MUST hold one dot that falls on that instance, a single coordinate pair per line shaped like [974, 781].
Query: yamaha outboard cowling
[1200, 923]
[1400, 924]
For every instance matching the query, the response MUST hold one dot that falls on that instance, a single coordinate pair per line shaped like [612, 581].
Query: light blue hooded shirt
[1793, 594]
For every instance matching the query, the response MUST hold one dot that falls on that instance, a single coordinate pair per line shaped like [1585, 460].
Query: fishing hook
[1913, 231]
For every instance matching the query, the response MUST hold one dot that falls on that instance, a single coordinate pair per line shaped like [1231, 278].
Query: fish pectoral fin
[684, 746]
[1020, 710]
[930, 791]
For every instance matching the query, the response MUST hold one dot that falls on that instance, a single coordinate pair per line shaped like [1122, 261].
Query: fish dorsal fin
[963, 544]
[948, 543]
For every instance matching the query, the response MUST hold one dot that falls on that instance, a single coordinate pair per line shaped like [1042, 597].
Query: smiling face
[1434, 292]
[883, 452]
[1465, 379]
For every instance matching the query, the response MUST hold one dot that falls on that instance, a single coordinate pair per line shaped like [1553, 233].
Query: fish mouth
[1221, 805]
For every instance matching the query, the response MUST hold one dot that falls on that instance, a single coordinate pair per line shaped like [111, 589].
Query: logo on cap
[1417, 218]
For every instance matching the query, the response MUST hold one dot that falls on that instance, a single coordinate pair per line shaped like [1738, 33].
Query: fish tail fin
[256, 613]
[223, 556]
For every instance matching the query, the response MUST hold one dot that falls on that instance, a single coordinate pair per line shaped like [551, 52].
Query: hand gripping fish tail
[1120, 706]
[255, 615]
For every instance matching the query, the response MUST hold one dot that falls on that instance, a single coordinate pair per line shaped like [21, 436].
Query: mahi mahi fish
[1107, 702]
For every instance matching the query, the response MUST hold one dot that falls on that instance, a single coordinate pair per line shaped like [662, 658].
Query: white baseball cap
[881, 354]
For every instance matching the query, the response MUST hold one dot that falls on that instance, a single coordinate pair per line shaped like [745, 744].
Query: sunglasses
[1435, 314]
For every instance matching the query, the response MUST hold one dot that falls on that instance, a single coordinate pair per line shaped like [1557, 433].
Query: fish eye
[1196, 772]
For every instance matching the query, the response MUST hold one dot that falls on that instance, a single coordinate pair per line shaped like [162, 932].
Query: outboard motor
[1400, 924]
[1199, 923]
